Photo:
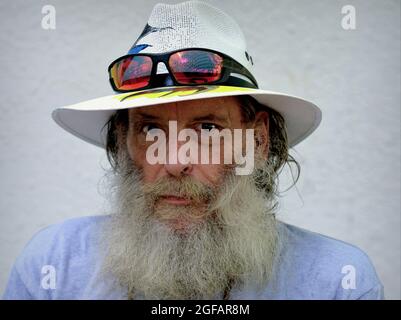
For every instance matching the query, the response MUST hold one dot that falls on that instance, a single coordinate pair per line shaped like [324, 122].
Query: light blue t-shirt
[63, 262]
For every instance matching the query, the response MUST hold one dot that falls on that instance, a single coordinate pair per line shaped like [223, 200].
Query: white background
[350, 183]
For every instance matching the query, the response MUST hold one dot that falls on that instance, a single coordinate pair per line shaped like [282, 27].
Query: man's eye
[208, 126]
[146, 128]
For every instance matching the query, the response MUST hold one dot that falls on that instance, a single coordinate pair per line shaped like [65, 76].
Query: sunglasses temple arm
[237, 67]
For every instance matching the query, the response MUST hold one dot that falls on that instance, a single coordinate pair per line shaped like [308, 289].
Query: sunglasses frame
[229, 66]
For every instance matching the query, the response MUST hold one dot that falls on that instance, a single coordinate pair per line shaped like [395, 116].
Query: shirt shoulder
[63, 249]
[71, 237]
[327, 268]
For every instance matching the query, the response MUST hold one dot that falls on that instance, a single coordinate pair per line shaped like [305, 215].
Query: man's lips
[171, 199]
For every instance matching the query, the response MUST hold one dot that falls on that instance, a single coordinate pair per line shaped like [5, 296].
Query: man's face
[206, 114]
[174, 223]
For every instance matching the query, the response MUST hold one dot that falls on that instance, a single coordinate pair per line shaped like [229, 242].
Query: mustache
[185, 187]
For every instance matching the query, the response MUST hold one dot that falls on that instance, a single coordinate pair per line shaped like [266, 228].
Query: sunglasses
[186, 67]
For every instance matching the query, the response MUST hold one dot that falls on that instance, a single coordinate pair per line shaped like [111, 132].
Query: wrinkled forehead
[222, 108]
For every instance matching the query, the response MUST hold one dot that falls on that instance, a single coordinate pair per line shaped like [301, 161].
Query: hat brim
[87, 119]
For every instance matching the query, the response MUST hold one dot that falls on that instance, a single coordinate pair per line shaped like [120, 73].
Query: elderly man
[195, 149]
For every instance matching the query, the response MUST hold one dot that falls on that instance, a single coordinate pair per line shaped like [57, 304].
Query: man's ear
[261, 127]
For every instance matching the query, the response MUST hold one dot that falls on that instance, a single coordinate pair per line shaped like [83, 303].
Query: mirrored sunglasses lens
[132, 73]
[196, 66]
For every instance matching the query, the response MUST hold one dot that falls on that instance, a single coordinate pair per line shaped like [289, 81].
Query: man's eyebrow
[144, 116]
[210, 117]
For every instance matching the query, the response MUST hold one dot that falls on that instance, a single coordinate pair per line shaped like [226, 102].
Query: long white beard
[237, 245]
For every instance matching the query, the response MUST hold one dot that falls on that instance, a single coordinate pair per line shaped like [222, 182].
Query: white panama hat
[191, 24]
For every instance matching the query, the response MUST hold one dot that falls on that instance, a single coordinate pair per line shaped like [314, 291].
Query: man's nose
[174, 165]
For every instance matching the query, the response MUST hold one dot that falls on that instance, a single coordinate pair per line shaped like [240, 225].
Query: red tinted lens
[131, 73]
[196, 66]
